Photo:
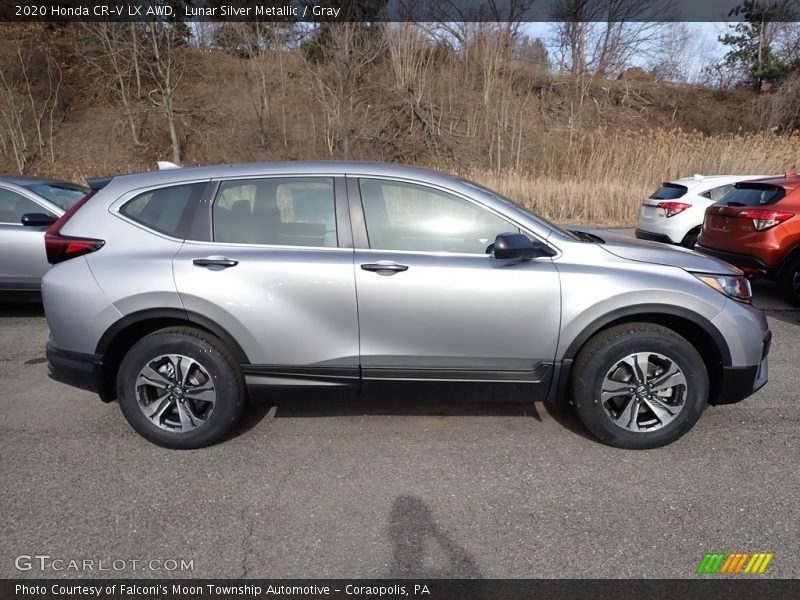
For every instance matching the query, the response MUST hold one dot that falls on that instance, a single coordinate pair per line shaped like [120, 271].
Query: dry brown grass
[601, 178]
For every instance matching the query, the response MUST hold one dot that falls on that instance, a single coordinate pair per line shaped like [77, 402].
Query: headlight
[735, 286]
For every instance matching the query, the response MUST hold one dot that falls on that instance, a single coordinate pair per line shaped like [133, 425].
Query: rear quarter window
[167, 210]
[753, 194]
[669, 191]
[717, 193]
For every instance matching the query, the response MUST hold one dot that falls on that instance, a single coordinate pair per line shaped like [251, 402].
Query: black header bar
[383, 10]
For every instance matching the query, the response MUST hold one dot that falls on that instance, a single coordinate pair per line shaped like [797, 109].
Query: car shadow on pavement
[421, 549]
[20, 309]
[433, 399]
[767, 296]
[438, 400]
[568, 419]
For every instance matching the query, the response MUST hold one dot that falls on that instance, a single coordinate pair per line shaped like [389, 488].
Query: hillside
[575, 148]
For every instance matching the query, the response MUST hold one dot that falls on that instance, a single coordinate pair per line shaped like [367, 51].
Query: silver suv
[185, 292]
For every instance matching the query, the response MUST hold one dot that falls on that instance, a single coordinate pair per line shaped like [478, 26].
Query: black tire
[605, 352]
[211, 372]
[790, 281]
[691, 239]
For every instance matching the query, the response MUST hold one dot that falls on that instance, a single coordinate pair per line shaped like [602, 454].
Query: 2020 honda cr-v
[184, 292]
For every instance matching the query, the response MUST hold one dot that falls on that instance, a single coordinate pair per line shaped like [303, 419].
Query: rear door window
[669, 191]
[279, 211]
[753, 194]
[166, 210]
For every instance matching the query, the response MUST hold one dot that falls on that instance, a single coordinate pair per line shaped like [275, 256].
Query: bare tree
[12, 114]
[602, 36]
[118, 60]
[341, 55]
[265, 46]
[166, 65]
[30, 88]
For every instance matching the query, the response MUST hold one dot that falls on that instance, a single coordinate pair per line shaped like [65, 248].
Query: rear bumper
[653, 237]
[73, 368]
[739, 383]
[747, 263]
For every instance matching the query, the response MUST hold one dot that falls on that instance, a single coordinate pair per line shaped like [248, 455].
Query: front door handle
[384, 265]
[215, 261]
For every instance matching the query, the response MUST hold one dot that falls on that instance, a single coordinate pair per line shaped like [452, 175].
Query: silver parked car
[184, 292]
[28, 205]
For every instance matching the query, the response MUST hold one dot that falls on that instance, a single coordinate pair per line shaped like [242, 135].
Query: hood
[631, 248]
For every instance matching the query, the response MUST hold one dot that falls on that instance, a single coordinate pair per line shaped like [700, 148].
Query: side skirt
[536, 382]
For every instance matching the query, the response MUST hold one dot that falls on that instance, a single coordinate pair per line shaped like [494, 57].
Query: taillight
[764, 218]
[63, 247]
[673, 208]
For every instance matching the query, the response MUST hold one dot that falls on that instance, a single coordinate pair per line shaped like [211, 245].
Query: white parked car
[674, 213]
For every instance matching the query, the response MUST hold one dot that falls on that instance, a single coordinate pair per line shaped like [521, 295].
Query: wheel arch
[124, 333]
[696, 229]
[696, 329]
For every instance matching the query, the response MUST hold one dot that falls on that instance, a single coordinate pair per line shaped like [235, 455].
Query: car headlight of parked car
[734, 286]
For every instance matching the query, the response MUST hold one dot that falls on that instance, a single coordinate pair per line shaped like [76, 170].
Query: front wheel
[639, 385]
[180, 388]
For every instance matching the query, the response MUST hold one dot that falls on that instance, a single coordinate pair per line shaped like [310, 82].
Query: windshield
[521, 208]
[63, 195]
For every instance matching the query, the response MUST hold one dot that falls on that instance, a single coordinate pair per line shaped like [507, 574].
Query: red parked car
[756, 226]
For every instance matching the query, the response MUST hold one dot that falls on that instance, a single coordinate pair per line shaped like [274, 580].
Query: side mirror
[518, 246]
[37, 220]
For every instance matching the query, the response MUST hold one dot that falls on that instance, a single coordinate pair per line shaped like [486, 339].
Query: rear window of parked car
[669, 191]
[166, 210]
[753, 194]
[62, 195]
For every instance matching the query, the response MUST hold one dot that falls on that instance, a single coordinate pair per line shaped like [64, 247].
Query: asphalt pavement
[404, 484]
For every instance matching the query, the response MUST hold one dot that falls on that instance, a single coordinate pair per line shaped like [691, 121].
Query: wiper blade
[734, 204]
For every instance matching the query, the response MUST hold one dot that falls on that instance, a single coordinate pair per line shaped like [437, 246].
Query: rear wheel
[790, 281]
[180, 388]
[639, 385]
[691, 239]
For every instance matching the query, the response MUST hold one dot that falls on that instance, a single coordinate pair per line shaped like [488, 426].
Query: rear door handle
[215, 261]
[384, 265]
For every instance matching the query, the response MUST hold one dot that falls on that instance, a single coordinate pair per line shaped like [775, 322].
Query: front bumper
[739, 383]
[73, 368]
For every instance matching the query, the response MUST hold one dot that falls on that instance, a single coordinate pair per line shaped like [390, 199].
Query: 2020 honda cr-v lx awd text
[182, 293]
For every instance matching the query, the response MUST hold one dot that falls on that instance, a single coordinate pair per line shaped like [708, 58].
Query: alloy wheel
[175, 392]
[643, 392]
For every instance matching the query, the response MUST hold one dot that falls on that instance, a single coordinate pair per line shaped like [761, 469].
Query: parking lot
[404, 484]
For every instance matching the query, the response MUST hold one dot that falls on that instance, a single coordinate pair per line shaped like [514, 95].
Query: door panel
[23, 261]
[276, 278]
[434, 314]
[458, 312]
[285, 306]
